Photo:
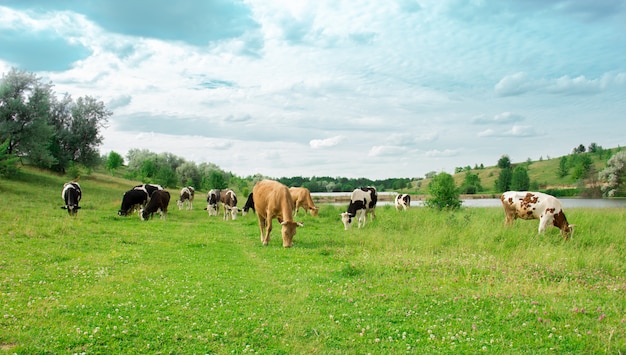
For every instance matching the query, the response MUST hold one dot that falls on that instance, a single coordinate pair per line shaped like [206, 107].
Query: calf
[362, 201]
[302, 198]
[273, 200]
[186, 196]
[213, 200]
[229, 203]
[536, 205]
[71, 194]
[158, 203]
[132, 200]
[403, 201]
[249, 205]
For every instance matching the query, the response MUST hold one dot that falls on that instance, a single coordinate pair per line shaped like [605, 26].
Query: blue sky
[335, 88]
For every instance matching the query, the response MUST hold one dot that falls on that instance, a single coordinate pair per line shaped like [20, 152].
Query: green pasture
[420, 281]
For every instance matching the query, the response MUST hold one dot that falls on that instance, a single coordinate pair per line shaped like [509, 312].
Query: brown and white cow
[362, 201]
[403, 201]
[71, 194]
[158, 204]
[186, 196]
[536, 205]
[229, 204]
[273, 200]
[301, 197]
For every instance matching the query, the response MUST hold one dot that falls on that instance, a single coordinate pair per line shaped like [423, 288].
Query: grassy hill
[543, 174]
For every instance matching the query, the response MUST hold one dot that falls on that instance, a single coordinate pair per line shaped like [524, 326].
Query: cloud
[501, 118]
[325, 143]
[386, 150]
[446, 153]
[119, 101]
[515, 131]
[520, 83]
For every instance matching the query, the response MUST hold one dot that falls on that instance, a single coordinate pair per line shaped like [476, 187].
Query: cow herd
[271, 199]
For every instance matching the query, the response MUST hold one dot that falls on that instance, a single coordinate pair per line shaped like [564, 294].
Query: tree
[471, 184]
[613, 175]
[444, 192]
[519, 179]
[114, 161]
[563, 167]
[579, 149]
[24, 111]
[503, 183]
[189, 174]
[504, 162]
[7, 160]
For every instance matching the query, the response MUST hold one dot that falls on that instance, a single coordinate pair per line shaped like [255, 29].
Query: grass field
[416, 282]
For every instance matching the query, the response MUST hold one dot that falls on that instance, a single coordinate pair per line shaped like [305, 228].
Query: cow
[301, 197]
[362, 201]
[186, 195]
[536, 205]
[71, 194]
[273, 200]
[158, 203]
[229, 204]
[249, 205]
[148, 188]
[403, 201]
[133, 199]
[213, 200]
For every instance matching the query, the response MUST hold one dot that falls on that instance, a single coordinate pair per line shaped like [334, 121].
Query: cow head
[212, 209]
[233, 212]
[346, 218]
[314, 211]
[72, 210]
[288, 231]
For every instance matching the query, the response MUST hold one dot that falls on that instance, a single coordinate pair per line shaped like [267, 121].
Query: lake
[386, 198]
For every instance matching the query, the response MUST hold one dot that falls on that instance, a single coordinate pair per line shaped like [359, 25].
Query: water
[492, 202]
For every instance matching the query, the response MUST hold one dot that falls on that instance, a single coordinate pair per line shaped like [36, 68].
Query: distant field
[416, 282]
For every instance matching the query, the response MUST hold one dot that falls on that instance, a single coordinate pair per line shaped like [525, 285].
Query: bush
[444, 193]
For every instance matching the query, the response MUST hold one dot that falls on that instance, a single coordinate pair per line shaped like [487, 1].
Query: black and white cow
[186, 195]
[133, 200]
[158, 204]
[362, 201]
[71, 194]
[249, 205]
[229, 203]
[213, 200]
[403, 201]
[148, 188]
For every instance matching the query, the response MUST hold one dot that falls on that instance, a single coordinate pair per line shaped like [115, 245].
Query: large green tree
[24, 116]
[520, 181]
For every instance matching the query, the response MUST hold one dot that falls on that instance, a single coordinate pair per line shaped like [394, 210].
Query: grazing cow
[229, 203]
[272, 199]
[362, 201]
[71, 194]
[213, 200]
[249, 205]
[403, 201]
[133, 199]
[536, 205]
[301, 197]
[158, 203]
[186, 195]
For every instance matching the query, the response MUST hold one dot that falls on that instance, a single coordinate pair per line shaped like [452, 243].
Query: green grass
[421, 281]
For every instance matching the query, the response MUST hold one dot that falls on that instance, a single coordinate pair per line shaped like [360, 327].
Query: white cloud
[325, 143]
[386, 151]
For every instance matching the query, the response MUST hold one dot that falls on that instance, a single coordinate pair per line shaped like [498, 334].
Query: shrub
[444, 192]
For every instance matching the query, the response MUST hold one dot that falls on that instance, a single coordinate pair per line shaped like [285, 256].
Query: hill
[544, 175]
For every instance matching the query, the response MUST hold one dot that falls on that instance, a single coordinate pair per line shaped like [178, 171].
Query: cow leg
[544, 221]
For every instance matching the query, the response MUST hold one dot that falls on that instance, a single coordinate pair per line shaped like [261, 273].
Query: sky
[368, 88]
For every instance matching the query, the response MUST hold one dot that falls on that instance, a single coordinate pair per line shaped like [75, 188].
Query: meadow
[419, 281]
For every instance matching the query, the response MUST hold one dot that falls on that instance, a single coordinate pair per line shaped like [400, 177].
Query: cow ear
[300, 224]
[77, 207]
[63, 207]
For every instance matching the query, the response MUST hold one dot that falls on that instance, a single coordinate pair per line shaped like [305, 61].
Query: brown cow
[301, 197]
[536, 205]
[272, 199]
